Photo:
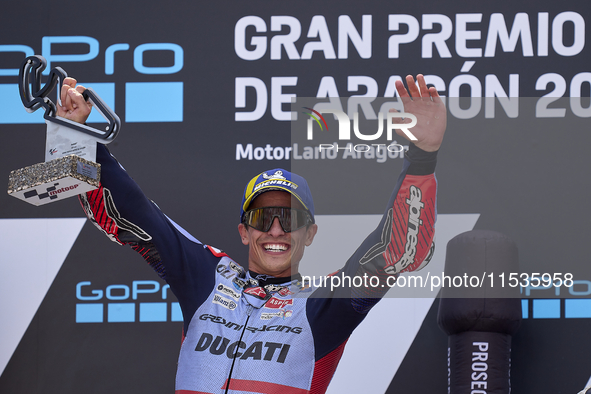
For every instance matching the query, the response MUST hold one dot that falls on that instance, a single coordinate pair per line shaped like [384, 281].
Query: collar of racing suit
[272, 280]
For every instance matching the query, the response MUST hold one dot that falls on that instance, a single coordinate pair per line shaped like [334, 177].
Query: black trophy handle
[56, 78]
[35, 97]
[31, 79]
[106, 112]
[105, 136]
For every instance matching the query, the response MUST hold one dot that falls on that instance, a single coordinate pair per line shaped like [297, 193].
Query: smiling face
[276, 252]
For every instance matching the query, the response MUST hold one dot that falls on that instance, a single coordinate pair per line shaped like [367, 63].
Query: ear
[244, 235]
[310, 234]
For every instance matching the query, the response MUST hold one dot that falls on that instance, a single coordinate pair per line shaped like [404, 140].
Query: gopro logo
[130, 310]
[144, 101]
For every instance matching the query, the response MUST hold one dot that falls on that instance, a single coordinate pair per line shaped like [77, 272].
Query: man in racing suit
[263, 329]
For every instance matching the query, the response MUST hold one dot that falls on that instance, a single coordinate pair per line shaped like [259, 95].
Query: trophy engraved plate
[70, 152]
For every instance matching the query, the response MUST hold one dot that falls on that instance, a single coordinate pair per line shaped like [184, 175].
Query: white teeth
[275, 248]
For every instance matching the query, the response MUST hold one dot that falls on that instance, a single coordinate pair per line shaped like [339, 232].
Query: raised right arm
[120, 209]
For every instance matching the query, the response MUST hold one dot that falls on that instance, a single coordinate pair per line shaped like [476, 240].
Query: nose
[276, 229]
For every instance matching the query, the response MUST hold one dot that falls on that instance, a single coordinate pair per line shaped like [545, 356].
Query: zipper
[249, 309]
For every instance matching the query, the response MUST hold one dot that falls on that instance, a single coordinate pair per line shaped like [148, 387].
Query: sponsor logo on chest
[262, 351]
[225, 302]
[276, 303]
[257, 292]
[228, 291]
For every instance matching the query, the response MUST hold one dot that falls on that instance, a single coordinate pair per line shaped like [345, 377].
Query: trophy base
[54, 180]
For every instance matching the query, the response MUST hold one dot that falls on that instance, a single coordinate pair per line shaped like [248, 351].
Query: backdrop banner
[210, 95]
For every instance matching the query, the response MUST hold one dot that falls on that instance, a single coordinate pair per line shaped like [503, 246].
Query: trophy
[70, 149]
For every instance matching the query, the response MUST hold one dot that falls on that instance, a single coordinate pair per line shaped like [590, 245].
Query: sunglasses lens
[258, 220]
[290, 219]
[298, 219]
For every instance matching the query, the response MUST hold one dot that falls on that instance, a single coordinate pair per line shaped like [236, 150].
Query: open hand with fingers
[427, 106]
[73, 106]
